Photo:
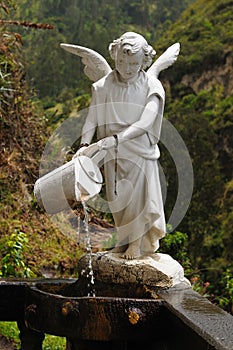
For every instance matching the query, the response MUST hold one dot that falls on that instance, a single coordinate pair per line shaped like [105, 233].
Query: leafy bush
[175, 244]
[13, 262]
[11, 332]
[225, 300]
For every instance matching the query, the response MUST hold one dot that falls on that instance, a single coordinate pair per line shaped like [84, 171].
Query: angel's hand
[107, 143]
[80, 152]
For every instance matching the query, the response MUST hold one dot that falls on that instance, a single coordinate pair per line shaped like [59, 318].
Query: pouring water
[75, 181]
[89, 269]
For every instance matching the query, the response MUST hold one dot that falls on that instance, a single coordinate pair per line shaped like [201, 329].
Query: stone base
[153, 271]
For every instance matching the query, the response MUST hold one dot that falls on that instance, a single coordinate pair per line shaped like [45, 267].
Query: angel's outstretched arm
[142, 126]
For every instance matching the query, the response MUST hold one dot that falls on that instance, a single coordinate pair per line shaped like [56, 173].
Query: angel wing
[165, 60]
[96, 65]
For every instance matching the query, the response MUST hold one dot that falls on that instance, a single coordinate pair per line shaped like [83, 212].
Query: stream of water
[89, 269]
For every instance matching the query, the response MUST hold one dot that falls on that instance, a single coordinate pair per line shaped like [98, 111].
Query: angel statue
[126, 114]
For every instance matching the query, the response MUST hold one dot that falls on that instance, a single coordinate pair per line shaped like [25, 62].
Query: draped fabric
[138, 206]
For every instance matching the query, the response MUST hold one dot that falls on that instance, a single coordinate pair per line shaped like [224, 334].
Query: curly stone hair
[133, 43]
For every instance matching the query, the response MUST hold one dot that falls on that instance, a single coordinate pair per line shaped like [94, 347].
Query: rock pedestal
[151, 271]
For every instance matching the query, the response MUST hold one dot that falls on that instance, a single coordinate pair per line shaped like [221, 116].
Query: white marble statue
[126, 112]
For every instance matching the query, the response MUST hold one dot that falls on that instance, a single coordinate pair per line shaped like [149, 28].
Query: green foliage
[12, 250]
[54, 343]
[192, 114]
[226, 217]
[225, 299]
[11, 332]
[200, 107]
[23, 135]
[175, 243]
[200, 286]
[111, 242]
[88, 23]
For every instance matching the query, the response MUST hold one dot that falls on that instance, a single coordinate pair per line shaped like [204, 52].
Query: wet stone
[135, 277]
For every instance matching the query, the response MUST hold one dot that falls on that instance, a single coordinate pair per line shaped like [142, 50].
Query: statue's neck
[127, 81]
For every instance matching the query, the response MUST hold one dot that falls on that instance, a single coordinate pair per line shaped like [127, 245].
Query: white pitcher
[77, 180]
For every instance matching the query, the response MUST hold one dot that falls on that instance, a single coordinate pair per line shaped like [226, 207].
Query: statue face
[128, 64]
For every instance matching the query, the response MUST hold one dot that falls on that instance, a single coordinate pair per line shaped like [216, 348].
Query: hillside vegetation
[199, 104]
[88, 23]
[28, 241]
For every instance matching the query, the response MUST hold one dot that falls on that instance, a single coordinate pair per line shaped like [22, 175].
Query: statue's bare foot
[119, 249]
[132, 252]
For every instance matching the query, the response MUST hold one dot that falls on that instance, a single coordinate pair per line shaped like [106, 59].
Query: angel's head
[131, 54]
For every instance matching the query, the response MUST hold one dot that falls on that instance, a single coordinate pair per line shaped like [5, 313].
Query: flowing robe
[137, 207]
